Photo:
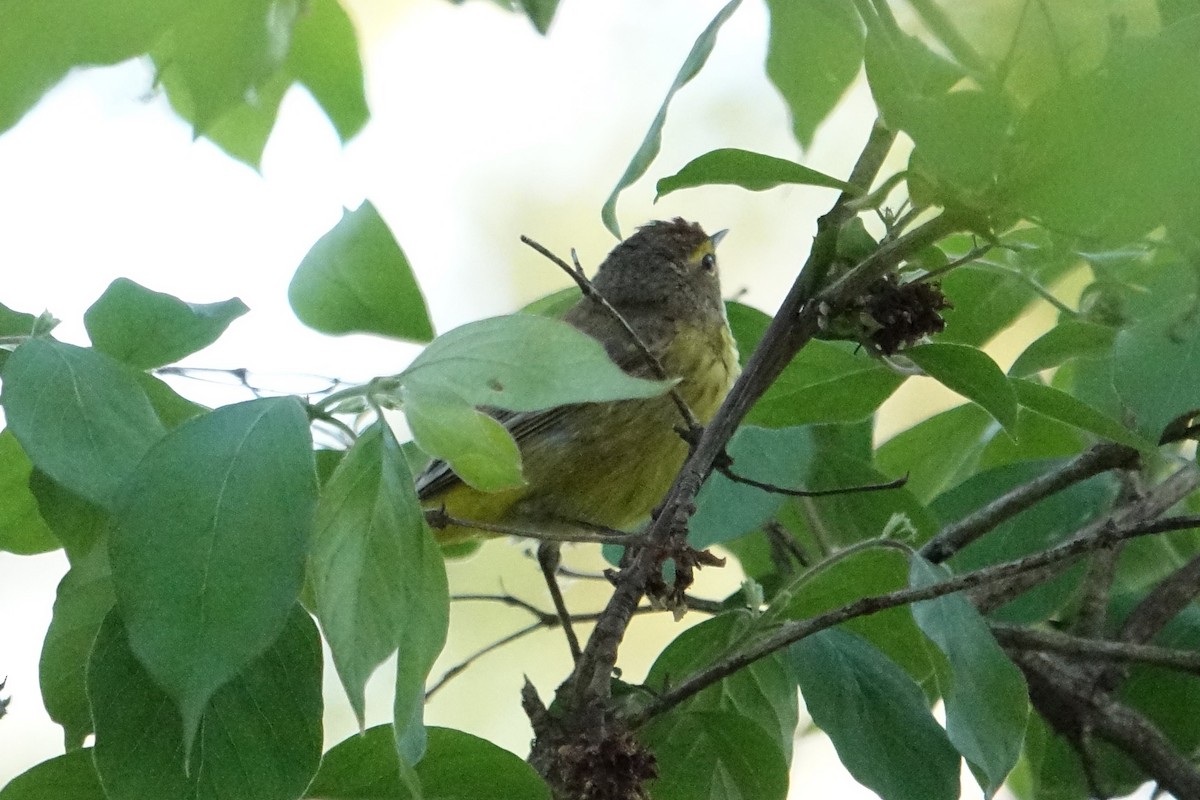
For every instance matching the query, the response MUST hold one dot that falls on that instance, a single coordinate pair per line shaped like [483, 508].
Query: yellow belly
[606, 464]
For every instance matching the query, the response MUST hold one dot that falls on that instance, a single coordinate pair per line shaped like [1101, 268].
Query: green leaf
[540, 13]
[1098, 155]
[171, 407]
[261, 737]
[226, 49]
[365, 767]
[147, 329]
[479, 449]
[356, 279]
[876, 717]
[22, 530]
[1065, 341]
[825, 382]
[79, 415]
[748, 325]
[971, 373]
[753, 171]
[1059, 405]
[84, 598]
[714, 755]
[67, 777]
[522, 363]
[209, 544]
[936, 452]
[725, 509]
[1044, 525]
[377, 573]
[848, 577]
[814, 52]
[1156, 372]
[648, 150]
[42, 39]
[1038, 437]
[555, 304]
[987, 702]
[905, 75]
[763, 691]
[15, 323]
[325, 59]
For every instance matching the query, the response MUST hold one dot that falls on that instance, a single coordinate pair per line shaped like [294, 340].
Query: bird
[607, 465]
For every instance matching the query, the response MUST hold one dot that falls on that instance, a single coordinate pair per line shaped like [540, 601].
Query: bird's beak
[717, 237]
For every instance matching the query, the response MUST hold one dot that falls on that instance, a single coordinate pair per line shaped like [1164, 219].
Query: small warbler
[609, 464]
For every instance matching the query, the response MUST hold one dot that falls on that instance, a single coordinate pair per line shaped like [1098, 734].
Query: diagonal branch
[1098, 459]
[1016, 637]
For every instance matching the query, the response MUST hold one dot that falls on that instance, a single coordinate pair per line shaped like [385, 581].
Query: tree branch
[1095, 460]
[1154, 504]
[790, 632]
[1016, 637]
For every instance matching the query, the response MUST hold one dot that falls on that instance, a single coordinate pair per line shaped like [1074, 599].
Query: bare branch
[1163, 603]
[728, 472]
[1017, 637]
[438, 518]
[1098, 459]
[790, 632]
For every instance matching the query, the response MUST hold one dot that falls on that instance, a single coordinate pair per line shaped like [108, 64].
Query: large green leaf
[987, 702]
[356, 279]
[937, 451]
[84, 598]
[22, 529]
[1099, 154]
[209, 544]
[456, 766]
[826, 382]
[648, 150]
[814, 52]
[1065, 341]
[764, 691]
[714, 755]
[1059, 405]
[42, 39]
[876, 717]
[261, 733]
[147, 329]
[972, 374]
[521, 362]
[67, 777]
[753, 171]
[79, 415]
[224, 50]
[477, 447]
[377, 573]
[1156, 372]
[325, 59]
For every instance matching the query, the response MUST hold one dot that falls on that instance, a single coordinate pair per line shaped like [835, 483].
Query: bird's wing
[438, 476]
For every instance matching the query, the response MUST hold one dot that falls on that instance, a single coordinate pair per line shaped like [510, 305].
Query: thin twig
[966, 258]
[1144, 510]
[1050, 641]
[793, 631]
[438, 518]
[1100, 458]
[1163, 603]
[773, 489]
[591, 293]
[462, 666]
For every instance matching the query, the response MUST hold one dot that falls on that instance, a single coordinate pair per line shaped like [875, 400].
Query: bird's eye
[709, 262]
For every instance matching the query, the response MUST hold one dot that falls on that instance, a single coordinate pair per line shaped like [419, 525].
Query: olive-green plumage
[609, 464]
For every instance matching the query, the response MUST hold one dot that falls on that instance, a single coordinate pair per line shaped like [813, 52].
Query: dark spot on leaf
[495, 385]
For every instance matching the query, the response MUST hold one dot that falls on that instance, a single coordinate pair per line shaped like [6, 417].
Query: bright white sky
[482, 131]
